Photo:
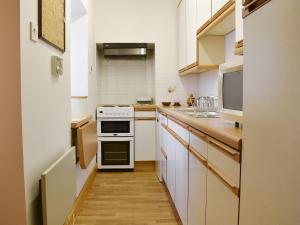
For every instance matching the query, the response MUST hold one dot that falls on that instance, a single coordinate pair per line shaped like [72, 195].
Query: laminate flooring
[127, 198]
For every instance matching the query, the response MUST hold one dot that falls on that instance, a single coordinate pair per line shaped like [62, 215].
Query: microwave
[231, 91]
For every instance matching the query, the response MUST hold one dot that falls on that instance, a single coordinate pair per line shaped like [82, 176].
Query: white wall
[45, 107]
[208, 81]
[82, 106]
[79, 55]
[148, 22]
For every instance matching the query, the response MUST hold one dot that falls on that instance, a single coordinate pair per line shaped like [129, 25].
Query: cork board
[52, 22]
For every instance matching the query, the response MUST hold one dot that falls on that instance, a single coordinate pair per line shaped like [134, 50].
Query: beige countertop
[78, 122]
[214, 127]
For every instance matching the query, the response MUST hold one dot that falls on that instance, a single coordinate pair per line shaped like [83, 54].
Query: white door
[191, 31]
[181, 34]
[203, 12]
[197, 191]
[217, 5]
[181, 173]
[222, 204]
[170, 145]
[145, 140]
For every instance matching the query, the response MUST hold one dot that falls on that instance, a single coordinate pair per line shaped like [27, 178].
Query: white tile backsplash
[121, 81]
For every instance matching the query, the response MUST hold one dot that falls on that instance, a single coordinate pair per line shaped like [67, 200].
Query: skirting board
[71, 219]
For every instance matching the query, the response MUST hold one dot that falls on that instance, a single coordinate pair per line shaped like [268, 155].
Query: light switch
[34, 32]
[57, 65]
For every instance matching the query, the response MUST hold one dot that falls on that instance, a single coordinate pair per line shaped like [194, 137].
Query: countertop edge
[228, 139]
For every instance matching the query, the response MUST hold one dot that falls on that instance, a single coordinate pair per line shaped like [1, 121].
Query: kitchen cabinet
[223, 181]
[181, 35]
[191, 30]
[217, 5]
[203, 12]
[181, 181]
[145, 136]
[171, 164]
[239, 31]
[222, 204]
[197, 181]
[161, 156]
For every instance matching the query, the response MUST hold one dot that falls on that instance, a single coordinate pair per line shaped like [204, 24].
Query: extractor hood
[125, 49]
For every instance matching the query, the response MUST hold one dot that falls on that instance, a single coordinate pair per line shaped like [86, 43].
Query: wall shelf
[211, 41]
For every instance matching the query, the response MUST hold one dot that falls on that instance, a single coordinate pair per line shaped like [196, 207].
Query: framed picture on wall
[52, 26]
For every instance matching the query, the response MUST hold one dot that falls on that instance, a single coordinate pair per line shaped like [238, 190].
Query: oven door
[114, 127]
[116, 153]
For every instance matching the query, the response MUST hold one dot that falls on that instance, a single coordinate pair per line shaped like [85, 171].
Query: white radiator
[58, 186]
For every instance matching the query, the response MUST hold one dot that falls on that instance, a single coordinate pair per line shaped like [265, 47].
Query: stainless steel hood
[125, 49]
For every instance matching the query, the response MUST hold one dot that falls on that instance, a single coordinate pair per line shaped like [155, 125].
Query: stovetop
[115, 111]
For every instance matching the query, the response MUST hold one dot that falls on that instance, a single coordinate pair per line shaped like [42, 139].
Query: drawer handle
[235, 190]
[198, 156]
[226, 150]
[145, 118]
[178, 138]
[183, 125]
[198, 134]
[163, 152]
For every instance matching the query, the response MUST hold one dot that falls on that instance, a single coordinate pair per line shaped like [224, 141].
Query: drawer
[225, 159]
[179, 130]
[198, 141]
[145, 114]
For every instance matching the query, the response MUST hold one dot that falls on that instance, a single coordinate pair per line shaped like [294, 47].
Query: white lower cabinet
[222, 205]
[197, 191]
[171, 163]
[181, 184]
[145, 140]
[203, 180]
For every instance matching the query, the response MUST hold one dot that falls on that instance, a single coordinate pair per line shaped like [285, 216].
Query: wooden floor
[127, 198]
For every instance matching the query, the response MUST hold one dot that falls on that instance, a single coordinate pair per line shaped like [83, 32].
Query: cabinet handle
[226, 150]
[235, 190]
[198, 156]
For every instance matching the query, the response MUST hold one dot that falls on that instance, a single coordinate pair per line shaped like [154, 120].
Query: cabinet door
[203, 12]
[197, 191]
[191, 30]
[170, 145]
[181, 29]
[239, 20]
[217, 5]
[158, 155]
[222, 204]
[181, 196]
[145, 140]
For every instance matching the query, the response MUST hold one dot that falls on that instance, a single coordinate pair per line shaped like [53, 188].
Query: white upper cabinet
[239, 20]
[217, 5]
[203, 12]
[181, 29]
[191, 30]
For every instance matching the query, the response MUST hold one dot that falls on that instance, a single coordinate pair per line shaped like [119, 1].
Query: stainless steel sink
[191, 112]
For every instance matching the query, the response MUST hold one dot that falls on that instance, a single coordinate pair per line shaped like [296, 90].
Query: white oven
[115, 153]
[115, 129]
[108, 127]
